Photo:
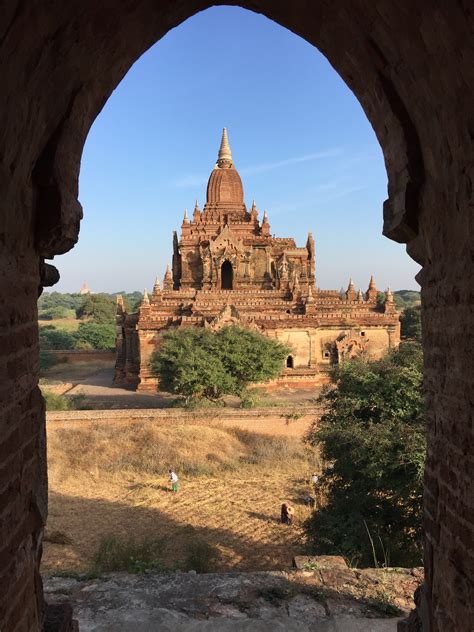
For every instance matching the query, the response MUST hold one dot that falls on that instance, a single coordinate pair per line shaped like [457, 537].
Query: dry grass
[64, 324]
[111, 481]
[192, 450]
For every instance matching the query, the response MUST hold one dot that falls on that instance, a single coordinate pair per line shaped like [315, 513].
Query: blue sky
[300, 141]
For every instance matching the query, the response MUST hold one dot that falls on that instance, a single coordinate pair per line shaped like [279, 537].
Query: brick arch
[409, 64]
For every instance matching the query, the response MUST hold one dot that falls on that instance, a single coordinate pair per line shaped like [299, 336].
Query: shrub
[373, 435]
[99, 308]
[201, 556]
[95, 336]
[54, 313]
[197, 363]
[54, 401]
[115, 554]
[410, 323]
[51, 338]
[47, 360]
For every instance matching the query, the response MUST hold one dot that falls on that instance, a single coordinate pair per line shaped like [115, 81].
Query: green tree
[99, 308]
[372, 434]
[53, 313]
[51, 338]
[49, 300]
[249, 357]
[410, 323]
[197, 363]
[95, 336]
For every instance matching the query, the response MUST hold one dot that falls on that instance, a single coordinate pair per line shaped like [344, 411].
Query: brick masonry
[410, 64]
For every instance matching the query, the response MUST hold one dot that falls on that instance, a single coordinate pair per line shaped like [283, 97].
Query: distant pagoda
[85, 289]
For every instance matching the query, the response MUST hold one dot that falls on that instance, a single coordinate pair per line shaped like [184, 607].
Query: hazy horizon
[300, 141]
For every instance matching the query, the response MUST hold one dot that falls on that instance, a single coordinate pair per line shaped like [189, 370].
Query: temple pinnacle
[224, 149]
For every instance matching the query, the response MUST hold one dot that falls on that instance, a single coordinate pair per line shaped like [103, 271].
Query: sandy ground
[94, 380]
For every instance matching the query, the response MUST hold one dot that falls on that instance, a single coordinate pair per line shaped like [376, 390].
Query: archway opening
[227, 276]
[289, 362]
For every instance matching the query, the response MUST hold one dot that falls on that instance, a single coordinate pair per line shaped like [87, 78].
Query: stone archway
[59, 64]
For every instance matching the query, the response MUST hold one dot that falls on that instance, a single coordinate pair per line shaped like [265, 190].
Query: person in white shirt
[314, 481]
[173, 478]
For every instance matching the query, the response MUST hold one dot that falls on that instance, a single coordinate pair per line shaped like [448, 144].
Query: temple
[228, 269]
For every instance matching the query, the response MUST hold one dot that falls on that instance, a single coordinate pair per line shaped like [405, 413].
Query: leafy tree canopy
[406, 298]
[372, 434]
[48, 300]
[196, 363]
[410, 323]
[98, 307]
[95, 336]
[51, 338]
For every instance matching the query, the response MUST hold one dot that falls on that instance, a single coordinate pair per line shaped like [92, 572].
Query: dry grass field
[65, 324]
[111, 480]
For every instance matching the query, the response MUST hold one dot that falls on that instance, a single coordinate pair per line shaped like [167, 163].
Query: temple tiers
[228, 269]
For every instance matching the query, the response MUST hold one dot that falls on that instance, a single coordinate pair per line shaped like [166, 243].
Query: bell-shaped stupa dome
[225, 185]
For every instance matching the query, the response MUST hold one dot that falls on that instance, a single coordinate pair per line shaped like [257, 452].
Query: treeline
[56, 305]
[82, 322]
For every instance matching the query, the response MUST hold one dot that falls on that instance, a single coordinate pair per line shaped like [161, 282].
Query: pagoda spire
[371, 294]
[145, 299]
[168, 280]
[157, 286]
[350, 292]
[253, 211]
[225, 154]
[196, 213]
[389, 305]
[185, 218]
[265, 230]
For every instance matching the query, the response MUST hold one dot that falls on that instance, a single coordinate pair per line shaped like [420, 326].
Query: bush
[201, 557]
[99, 308]
[95, 336]
[410, 323]
[373, 435]
[47, 360]
[54, 313]
[51, 338]
[49, 300]
[115, 554]
[197, 363]
[54, 401]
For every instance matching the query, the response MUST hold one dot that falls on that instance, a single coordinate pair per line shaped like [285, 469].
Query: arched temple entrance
[227, 276]
[63, 67]
[289, 362]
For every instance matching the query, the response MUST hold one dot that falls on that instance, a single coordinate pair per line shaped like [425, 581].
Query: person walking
[314, 482]
[173, 478]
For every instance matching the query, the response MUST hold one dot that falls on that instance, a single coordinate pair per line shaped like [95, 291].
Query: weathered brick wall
[410, 64]
[23, 493]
